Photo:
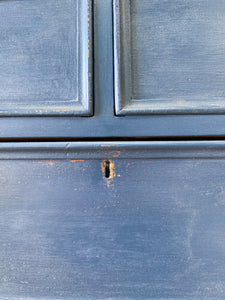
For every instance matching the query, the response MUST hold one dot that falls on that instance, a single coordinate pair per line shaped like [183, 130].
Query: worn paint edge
[76, 151]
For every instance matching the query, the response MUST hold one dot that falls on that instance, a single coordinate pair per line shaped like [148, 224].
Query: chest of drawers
[112, 149]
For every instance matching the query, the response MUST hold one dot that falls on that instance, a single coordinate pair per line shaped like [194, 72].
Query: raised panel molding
[46, 58]
[169, 57]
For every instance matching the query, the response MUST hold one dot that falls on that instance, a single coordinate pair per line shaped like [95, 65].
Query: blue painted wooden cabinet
[112, 150]
[107, 68]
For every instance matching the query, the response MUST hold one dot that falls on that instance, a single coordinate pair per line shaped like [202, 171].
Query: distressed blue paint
[45, 57]
[155, 231]
[169, 56]
[104, 123]
[112, 150]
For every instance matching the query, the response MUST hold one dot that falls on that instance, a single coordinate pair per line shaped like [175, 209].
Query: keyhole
[107, 169]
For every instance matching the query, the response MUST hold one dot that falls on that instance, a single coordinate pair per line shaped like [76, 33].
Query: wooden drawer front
[153, 229]
[169, 56]
[45, 57]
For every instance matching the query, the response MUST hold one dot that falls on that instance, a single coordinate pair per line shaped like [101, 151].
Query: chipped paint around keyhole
[108, 170]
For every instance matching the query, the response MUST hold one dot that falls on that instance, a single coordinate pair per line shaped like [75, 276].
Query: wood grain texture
[169, 57]
[154, 230]
[45, 57]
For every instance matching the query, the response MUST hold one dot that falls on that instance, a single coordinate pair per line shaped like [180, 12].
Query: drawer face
[169, 56]
[45, 57]
[155, 228]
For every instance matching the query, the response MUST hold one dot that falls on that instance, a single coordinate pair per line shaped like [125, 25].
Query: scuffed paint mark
[76, 160]
[113, 153]
[103, 145]
[118, 7]
[131, 163]
[49, 162]
[116, 153]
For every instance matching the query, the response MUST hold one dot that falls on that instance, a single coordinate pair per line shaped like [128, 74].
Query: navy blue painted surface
[154, 229]
[104, 123]
[169, 56]
[45, 57]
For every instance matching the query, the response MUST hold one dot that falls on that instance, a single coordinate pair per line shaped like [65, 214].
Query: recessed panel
[45, 57]
[169, 56]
